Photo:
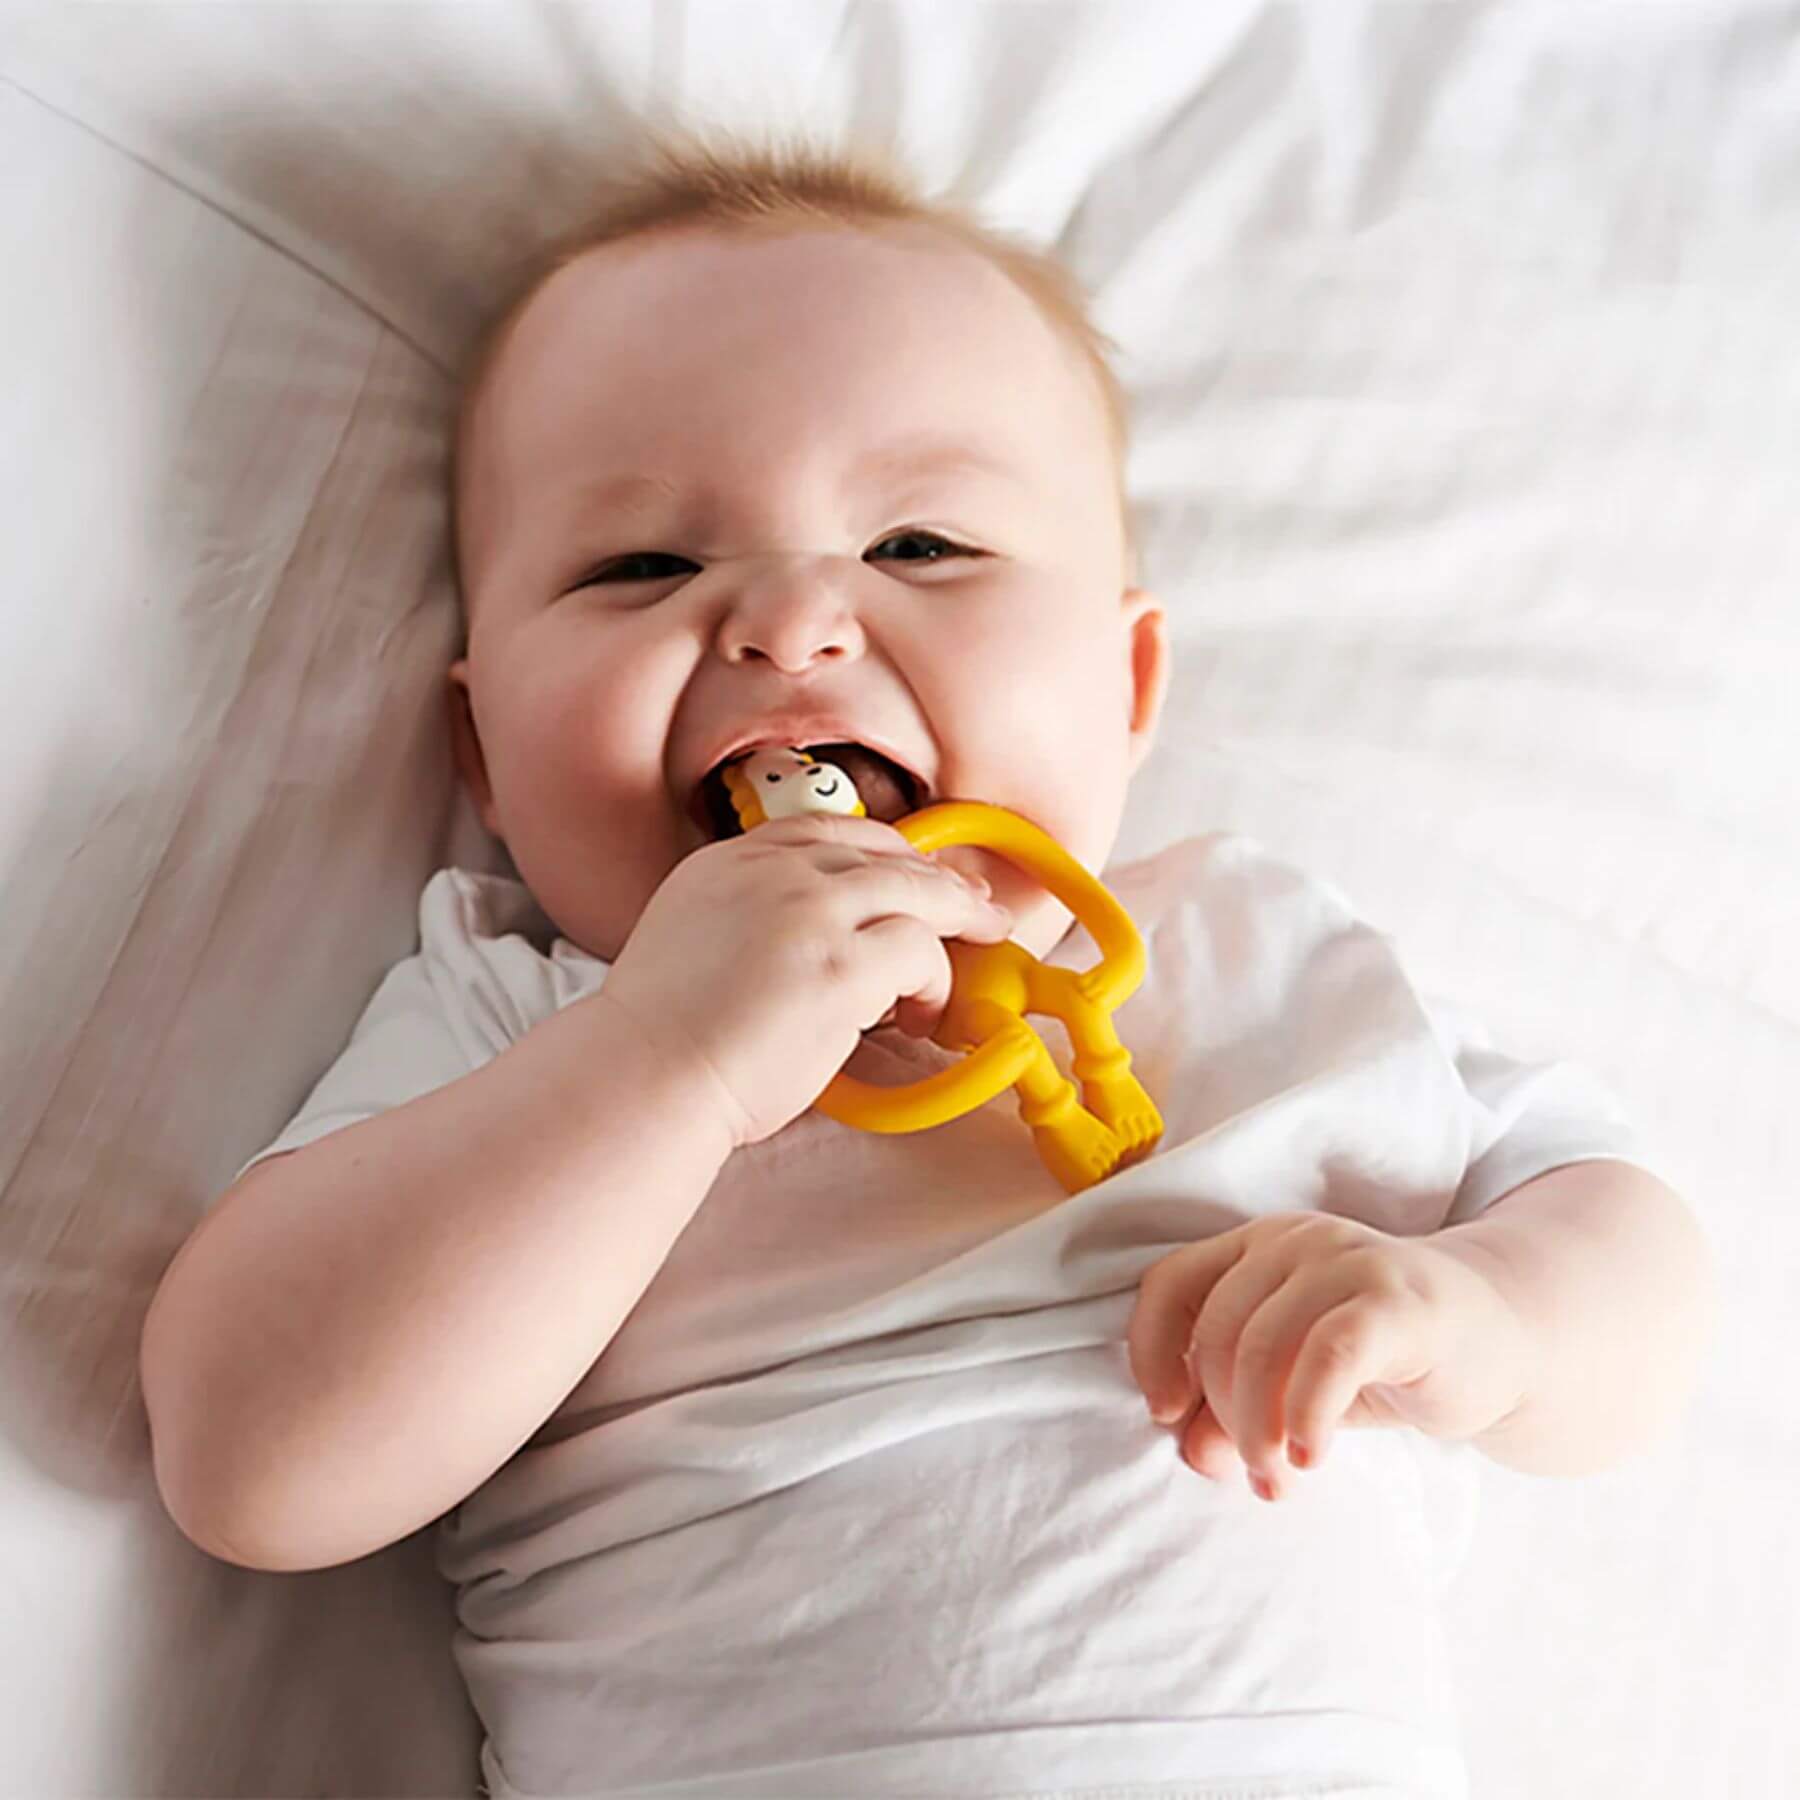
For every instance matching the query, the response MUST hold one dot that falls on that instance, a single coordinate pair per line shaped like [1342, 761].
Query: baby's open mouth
[888, 792]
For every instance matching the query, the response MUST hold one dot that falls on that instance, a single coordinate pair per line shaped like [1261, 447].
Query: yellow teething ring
[996, 1064]
[1082, 1136]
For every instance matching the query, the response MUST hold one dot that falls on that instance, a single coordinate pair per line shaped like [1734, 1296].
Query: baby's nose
[792, 619]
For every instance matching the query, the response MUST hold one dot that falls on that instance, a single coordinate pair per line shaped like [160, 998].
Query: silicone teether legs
[1080, 1144]
[1103, 1067]
[1075, 1146]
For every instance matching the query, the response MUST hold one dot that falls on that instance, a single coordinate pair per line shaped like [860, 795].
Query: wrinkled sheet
[1465, 388]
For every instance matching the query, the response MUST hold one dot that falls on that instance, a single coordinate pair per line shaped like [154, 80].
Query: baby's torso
[1285, 1081]
[874, 1420]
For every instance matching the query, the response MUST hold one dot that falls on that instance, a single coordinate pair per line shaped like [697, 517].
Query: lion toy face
[780, 783]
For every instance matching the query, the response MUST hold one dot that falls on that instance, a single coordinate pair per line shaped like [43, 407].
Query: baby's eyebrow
[929, 453]
[924, 453]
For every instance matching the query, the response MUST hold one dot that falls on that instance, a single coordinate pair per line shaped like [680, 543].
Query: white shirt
[862, 1499]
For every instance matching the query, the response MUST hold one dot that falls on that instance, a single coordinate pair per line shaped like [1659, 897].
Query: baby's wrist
[678, 1078]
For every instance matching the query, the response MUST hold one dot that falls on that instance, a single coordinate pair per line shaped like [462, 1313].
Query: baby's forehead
[723, 266]
[656, 349]
[652, 306]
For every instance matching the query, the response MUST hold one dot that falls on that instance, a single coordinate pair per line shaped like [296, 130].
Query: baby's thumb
[917, 1017]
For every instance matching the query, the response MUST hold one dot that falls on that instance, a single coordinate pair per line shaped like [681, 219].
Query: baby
[775, 1458]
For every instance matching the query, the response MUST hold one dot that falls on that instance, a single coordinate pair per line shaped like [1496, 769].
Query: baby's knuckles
[1398, 1286]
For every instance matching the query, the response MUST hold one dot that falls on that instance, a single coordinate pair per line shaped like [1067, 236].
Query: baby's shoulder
[492, 955]
[465, 909]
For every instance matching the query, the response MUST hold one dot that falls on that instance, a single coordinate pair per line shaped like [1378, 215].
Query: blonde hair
[726, 181]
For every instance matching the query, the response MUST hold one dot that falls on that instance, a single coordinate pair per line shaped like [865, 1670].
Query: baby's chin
[1039, 920]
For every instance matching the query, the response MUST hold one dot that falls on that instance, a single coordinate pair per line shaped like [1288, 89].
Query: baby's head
[777, 451]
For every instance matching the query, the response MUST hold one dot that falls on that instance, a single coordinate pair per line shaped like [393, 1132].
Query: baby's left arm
[1560, 1332]
[1615, 1281]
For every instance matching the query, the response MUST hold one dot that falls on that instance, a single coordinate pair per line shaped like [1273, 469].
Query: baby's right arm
[366, 1328]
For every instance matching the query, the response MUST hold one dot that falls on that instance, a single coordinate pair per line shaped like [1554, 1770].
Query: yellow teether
[1114, 1122]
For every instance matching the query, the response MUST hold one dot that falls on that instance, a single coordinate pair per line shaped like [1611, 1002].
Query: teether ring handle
[995, 1065]
[987, 1070]
[1121, 967]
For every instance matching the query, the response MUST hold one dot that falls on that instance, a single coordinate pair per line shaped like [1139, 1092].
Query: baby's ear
[1147, 667]
[465, 745]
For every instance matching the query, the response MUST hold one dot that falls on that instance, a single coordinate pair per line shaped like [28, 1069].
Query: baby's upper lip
[800, 729]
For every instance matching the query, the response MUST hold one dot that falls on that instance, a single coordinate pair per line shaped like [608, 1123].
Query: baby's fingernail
[1260, 1487]
[1166, 1412]
[1298, 1454]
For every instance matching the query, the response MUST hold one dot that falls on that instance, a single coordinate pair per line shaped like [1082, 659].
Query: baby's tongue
[878, 784]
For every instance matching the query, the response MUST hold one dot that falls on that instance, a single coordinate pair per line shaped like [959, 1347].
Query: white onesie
[862, 1499]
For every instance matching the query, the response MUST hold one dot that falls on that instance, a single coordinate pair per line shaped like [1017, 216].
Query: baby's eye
[620, 568]
[937, 549]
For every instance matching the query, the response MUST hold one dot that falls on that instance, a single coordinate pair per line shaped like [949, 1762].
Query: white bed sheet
[1467, 456]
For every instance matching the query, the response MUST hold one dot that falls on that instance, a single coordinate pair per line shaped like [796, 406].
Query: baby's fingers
[1206, 1445]
[1170, 1296]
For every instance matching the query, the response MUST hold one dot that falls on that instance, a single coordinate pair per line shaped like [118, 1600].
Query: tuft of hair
[725, 180]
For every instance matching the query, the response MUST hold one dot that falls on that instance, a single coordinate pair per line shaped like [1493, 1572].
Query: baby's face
[819, 488]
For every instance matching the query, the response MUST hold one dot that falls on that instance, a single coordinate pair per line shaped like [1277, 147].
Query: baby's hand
[761, 959]
[1294, 1324]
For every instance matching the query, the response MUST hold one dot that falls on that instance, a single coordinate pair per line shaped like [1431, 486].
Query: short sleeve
[402, 1046]
[1527, 1118]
